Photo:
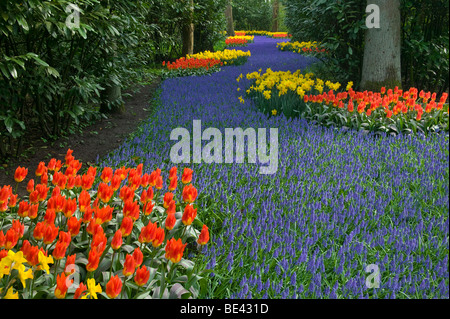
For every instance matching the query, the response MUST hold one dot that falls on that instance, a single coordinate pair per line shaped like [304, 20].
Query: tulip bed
[305, 47]
[390, 111]
[113, 234]
[340, 204]
[239, 41]
[191, 67]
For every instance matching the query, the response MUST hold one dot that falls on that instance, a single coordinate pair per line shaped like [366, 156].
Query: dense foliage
[340, 27]
[54, 73]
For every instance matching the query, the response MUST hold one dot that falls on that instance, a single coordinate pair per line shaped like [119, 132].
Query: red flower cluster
[281, 35]
[192, 63]
[65, 205]
[236, 41]
[392, 101]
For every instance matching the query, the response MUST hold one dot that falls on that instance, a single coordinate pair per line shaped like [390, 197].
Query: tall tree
[382, 49]
[275, 12]
[188, 30]
[229, 17]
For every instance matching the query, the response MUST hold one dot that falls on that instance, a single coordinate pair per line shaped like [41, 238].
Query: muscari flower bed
[339, 203]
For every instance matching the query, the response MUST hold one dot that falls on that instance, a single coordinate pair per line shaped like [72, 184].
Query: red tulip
[174, 250]
[20, 174]
[113, 287]
[142, 276]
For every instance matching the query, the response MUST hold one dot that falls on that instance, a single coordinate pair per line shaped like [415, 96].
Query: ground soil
[96, 140]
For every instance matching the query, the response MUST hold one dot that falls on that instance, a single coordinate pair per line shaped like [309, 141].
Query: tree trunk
[229, 17]
[275, 11]
[188, 32]
[112, 95]
[382, 49]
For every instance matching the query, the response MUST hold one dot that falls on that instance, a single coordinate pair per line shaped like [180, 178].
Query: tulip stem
[112, 263]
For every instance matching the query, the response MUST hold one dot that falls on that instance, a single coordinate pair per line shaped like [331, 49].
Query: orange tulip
[13, 200]
[62, 285]
[131, 209]
[70, 263]
[30, 186]
[174, 250]
[113, 287]
[189, 193]
[129, 265]
[145, 180]
[80, 290]
[74, 225]
[50, 233]
[34, 197]
[203, 238]
[107, 174]
[103, 215]
[38, 232]
[11, 239]
[138, 256]
[60, 250]
[84, 200]
[57, 203]
[41, 169]
[187, 175]
[32, 213]
[93, 260]
[167, 198]
[147, 233]
[54, 165]
[170, 221]
[87, 215]
[70, 182]
[24, 208]
[99, 240]
[86, 181]
[20, 174]
[126, 193]
[148, 208]
[159, 182]
[158, 237]
[173, 173]
[142, 276]
[5, 193]
[70, 206]
[69, 157]
[144, 197]
[127, 226]
[117, 240]
[105, 192]
[42, 190]
[189, 215]
[115, 182]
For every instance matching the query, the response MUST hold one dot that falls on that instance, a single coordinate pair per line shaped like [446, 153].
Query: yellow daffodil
[24, 275]
[10, 294]
[274, 112]
[93, 289]
[44, 261]
[349, 85]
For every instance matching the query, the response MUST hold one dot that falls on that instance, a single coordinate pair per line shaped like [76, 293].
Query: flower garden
[362, 181]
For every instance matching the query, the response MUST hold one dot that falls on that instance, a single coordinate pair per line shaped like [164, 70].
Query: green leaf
[23, 23]
[9, 124]
[178, 291]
